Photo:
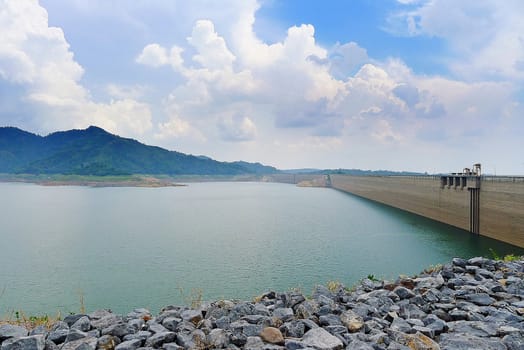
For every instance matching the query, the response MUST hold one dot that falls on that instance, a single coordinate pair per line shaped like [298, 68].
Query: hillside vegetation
[94, 151]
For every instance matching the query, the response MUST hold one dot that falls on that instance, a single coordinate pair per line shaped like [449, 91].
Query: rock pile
[467, 304]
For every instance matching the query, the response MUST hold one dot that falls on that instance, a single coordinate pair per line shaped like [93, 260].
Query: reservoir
[122, 248]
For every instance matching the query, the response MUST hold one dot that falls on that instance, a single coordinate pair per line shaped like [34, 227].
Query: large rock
[129, 345]
[321, 339]
[58, 336]
[34, 342]
[417, 341]
[12, 331]
[352, 321]
[192, 316]
[107, 342]
[403, 292]
[88, 343]
[482, 299]
[463, 341]
[218, 338]
[158, 339]
[359, 345]
[272, 335]
[72, 319]
[82, 324]
[285, 314]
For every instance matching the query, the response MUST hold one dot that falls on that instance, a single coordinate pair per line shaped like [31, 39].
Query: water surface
[122, 248]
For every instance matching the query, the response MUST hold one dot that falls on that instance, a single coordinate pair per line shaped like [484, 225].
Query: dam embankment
[497, 211]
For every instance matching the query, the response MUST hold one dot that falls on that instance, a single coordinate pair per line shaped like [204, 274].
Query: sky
[417, 85]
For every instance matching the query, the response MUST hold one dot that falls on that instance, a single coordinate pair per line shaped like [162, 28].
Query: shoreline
[93, 181]
[464, 304]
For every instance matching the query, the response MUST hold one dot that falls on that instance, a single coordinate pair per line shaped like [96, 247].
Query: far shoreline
[147, 181]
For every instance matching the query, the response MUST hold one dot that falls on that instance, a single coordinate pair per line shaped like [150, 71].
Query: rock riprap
[467, 304]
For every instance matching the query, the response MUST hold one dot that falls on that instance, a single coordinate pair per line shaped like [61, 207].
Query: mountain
[94, 151]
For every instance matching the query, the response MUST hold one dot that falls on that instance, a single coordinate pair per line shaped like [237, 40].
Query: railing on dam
[516, 179]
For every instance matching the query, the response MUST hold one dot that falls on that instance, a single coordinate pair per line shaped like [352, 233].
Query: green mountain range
[94, 151]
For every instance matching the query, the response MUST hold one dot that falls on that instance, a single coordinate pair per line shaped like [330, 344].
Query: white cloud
[485, 36]
[213, 53]
[384, 133]
[153, 55]
[237, 129]
[38, 58]
[284, 97]
[125, 91]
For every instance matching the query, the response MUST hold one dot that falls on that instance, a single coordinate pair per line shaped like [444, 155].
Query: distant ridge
[355, 172]
[94, 151]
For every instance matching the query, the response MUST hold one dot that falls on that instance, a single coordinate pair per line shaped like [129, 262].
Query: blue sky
[397, 84]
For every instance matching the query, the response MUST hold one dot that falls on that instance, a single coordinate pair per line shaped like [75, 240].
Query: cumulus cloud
[38, 59]
[484, 36]
[237, 129]
[153, 55]
[290, 95]
[298, 85]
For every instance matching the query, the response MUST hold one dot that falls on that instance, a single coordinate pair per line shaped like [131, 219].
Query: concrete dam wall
[494, 207]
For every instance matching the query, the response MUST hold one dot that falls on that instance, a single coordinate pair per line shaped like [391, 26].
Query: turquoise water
[122, 248]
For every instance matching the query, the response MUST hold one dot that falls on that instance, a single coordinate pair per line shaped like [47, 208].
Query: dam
[491, 206]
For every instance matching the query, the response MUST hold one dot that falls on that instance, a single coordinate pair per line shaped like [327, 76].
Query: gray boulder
[12, 331]
[34, 342]
[321, 339]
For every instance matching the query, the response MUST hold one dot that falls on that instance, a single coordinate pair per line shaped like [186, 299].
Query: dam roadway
[491, 206]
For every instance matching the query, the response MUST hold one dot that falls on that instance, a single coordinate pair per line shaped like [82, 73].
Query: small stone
[320, 339]
[272, 335]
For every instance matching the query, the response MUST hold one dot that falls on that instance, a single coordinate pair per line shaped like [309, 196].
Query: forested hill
[94, 151]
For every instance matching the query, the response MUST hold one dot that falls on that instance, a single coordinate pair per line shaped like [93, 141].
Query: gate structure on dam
[470, 179]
